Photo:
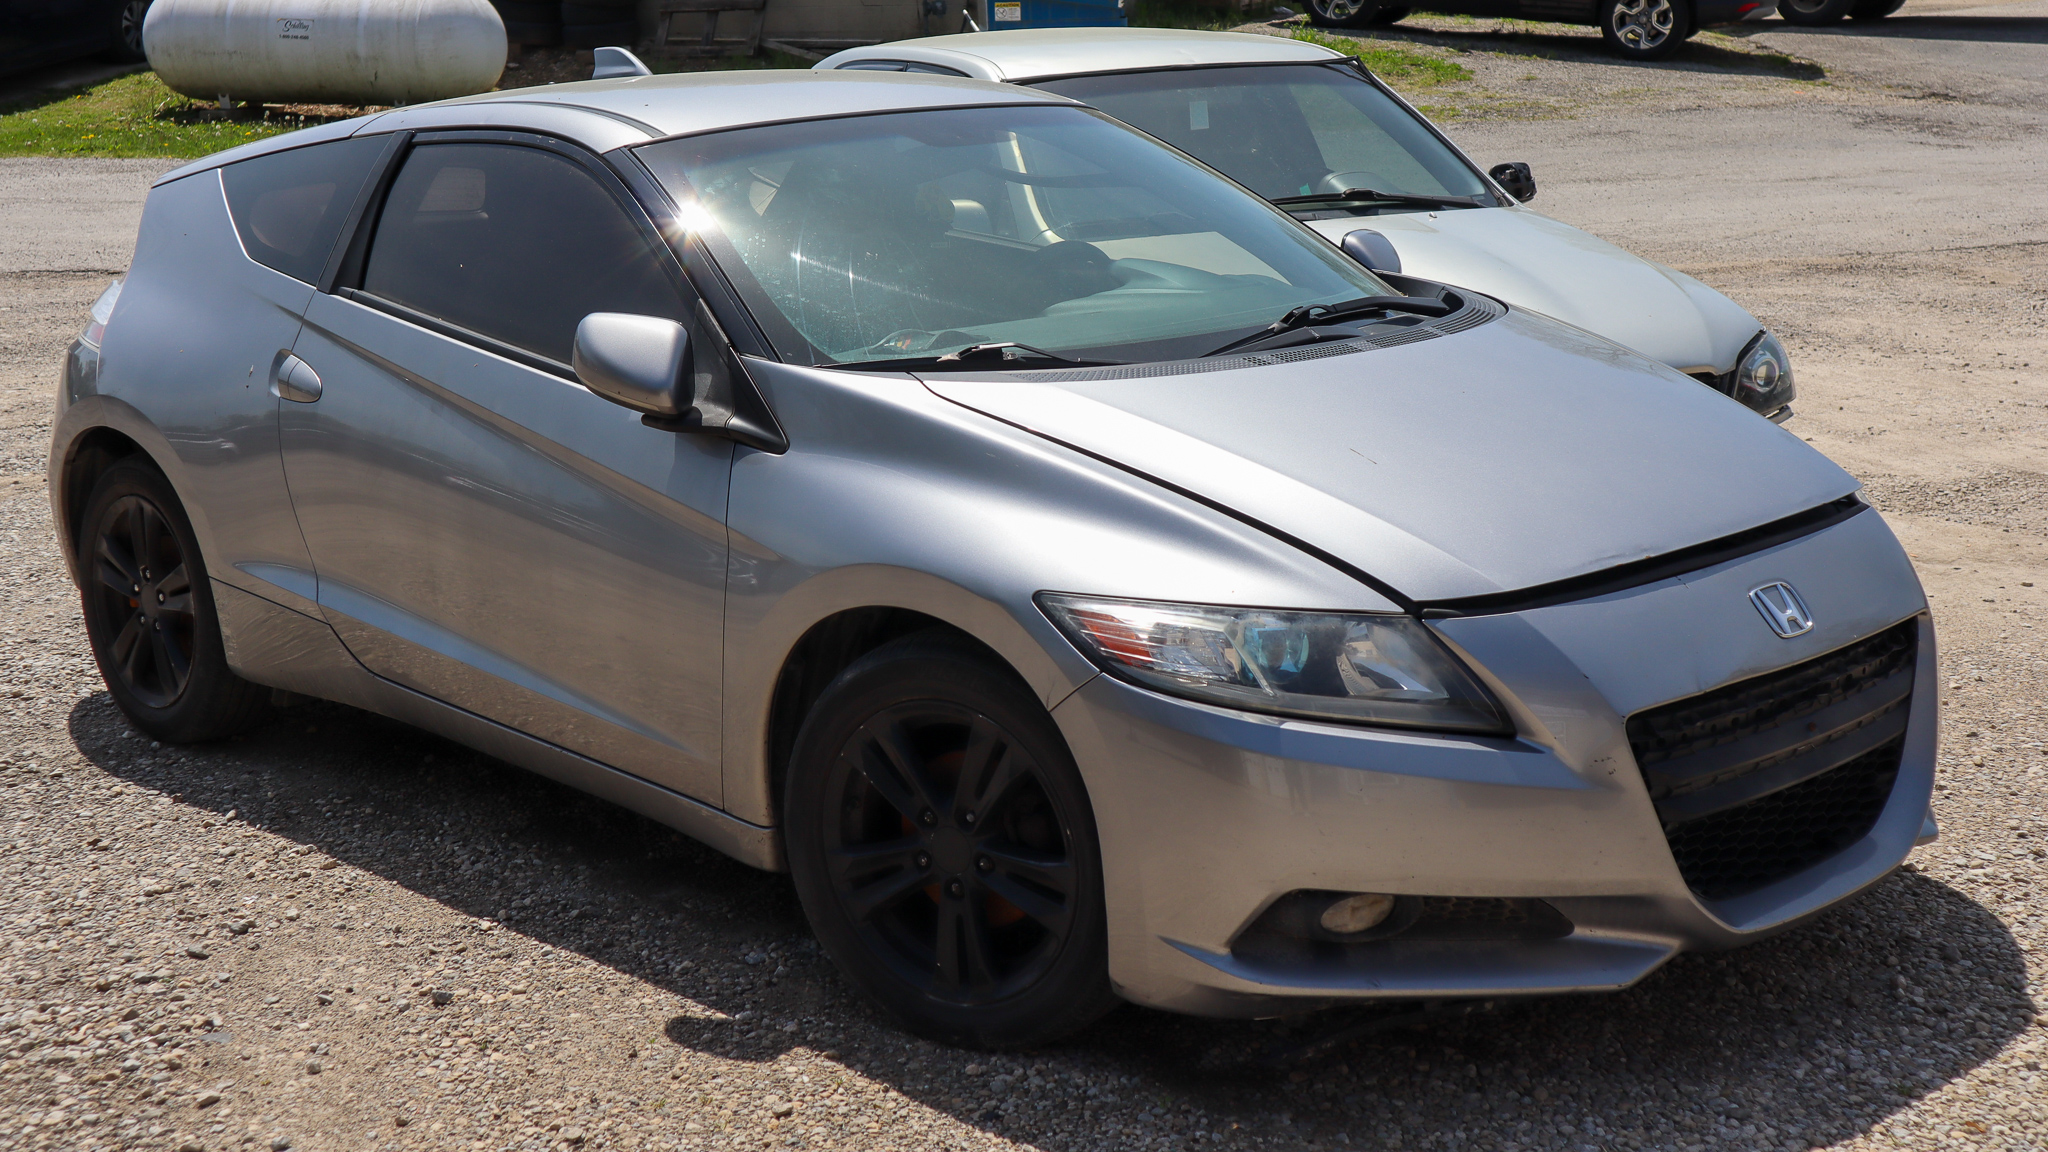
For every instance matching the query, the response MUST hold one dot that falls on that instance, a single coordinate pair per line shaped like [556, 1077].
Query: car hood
[1534, 262]
[1500, 458]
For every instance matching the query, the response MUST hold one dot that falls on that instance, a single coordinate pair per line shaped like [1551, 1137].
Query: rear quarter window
[289, 207]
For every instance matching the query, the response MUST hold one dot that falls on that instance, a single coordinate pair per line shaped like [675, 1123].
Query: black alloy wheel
[150, 614]
[128, 20]
[943, 847]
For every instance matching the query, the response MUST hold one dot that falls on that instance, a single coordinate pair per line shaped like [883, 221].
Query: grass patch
[1395, 63]
[133, 115]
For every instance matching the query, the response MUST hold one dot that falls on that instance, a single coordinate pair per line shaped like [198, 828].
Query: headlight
[1765, 370]
[1373, 669]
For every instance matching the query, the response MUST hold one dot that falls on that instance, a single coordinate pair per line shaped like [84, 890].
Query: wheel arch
[822, 627]
[85, 458]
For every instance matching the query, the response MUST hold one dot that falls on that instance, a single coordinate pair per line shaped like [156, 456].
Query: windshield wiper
[1001, 351]
[1309, 315]
[1351, 194]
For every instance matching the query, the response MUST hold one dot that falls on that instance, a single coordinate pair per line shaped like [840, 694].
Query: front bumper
[1208, 816]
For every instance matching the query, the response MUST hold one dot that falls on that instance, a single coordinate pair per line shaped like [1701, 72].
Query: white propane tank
[325, 51]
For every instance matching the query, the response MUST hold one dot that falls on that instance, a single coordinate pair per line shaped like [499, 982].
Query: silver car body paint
[1514, 253]
[1513, 453]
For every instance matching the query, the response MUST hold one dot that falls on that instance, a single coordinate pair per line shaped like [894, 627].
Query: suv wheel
[128, 18]
[149, 613]
[1342, 13]
[1814, 13]
[1645, 29]
[944, 850]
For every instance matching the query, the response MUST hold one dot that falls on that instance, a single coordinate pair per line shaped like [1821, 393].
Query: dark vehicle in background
[1637, 29]
[36, 33]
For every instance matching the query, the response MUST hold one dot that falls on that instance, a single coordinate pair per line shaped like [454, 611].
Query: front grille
[1764, 778]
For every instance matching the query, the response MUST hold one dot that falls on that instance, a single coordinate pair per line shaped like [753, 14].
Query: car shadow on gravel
[1815, 1036]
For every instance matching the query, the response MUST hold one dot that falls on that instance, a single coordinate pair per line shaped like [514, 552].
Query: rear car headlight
[1352, 667]
[1765, 369]
[102, 311]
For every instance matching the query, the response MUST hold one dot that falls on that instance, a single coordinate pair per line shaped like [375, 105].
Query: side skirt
[280, 648]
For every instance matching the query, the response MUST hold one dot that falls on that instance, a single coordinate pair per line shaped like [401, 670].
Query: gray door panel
[502, 539]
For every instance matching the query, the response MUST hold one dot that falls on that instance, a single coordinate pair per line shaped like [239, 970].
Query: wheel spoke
[173, 654]
[889, 763]
[126, 641]
[874, 876]
[963, 949]
[175, 581]
[116, 567]
[990, 768]
[154, 530]
[1041, 888]
[160, 658]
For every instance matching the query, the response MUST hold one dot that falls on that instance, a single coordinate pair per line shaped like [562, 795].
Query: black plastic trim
[1650, 569]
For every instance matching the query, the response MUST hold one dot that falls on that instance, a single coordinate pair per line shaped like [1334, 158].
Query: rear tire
[1813, 13]
[127, 46]
[1645, 30]
[1342, 13]
[150, 616]
[942, 843]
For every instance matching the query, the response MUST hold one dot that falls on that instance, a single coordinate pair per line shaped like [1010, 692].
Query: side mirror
[1372, 250]
[641, 362]
[1515, 177]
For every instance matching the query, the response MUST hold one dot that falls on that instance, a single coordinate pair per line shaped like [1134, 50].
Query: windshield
[916, 234]
[1285, 129]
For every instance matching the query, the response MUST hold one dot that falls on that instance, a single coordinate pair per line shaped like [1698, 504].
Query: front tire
[943, 847]
[1814, 13]
[150, 616]
[1645, 29]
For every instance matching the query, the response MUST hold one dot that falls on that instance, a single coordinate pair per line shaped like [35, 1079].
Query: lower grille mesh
[1764, 778]
[1786, 832]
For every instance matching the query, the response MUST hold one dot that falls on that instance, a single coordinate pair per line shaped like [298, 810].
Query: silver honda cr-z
[1082, 577]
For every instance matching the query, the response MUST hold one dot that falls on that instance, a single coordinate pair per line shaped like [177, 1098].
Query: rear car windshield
[915, 234]
[1284, 129]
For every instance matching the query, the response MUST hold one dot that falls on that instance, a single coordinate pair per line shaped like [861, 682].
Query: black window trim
[654, 216]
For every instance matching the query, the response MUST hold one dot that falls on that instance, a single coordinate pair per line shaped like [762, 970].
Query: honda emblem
[1782, 609]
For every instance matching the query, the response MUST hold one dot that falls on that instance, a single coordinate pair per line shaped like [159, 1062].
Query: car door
[484, 529]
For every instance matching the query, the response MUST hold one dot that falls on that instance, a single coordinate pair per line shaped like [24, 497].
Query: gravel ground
[340, 933]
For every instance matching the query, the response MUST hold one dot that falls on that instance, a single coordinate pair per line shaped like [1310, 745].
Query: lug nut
[159, 597]
[956, 889]
[985, 864]
[923, 860]
[929, 817]
[967, 817]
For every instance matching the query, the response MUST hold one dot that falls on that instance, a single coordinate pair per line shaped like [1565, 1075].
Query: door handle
[294, 380]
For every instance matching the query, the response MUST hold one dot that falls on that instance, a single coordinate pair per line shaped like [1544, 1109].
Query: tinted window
[289, 206]
[1286, 130]
[518, 244]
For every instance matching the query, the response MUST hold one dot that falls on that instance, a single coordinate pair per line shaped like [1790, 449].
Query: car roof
[618, 113]
[1027, 54]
